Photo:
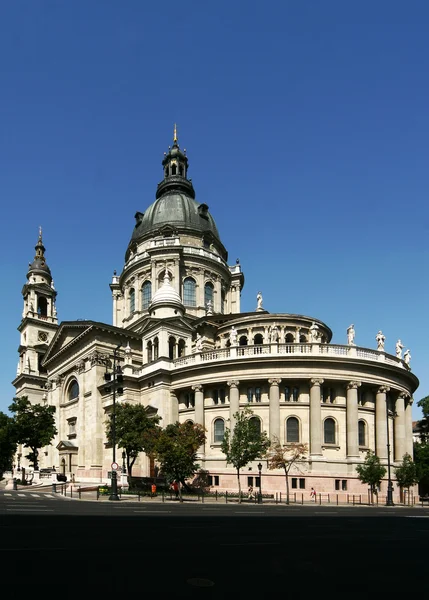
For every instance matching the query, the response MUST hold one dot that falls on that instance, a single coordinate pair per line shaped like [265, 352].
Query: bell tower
[37, 328]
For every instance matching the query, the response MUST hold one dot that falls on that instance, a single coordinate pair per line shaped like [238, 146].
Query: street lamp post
[116, 379]
[389, 498]
[124, 468]
[260, 483]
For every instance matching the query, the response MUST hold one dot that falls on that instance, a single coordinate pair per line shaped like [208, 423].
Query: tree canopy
[135, 431]
[406, 472]
[34, 426]
[371, 471]
[245, 443]
[7, 443]
[284, 457]
[176, 448]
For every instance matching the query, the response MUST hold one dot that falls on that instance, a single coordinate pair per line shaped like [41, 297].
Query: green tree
[284, 457]
[176, 447]
[244, 444]
[34, 426]
[371, 472]
[7, 443]
[135, 431]
[406, 474]
[421, 458]
[423, 424]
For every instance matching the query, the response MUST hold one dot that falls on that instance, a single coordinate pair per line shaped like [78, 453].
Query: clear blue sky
[306, 126]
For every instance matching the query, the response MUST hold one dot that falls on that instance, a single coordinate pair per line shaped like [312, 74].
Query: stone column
[409, 427]
[315, 418]
[199, 409]
[234, 401]
[399, 425]
[381, 422]
[274, 399]
[199, 404]
[352, 419]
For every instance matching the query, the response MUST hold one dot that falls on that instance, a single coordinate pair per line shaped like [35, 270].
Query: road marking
[22, 495]
[211, 508]
[30, 509]
[35, 495]
[162, 512]
[7, 494]
[325, 512]
[249, 512]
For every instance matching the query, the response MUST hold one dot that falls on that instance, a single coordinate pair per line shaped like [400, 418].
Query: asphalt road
[73, 548]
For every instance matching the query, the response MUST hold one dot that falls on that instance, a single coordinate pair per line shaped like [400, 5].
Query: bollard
[163, 499]
[15, 485]
[216, 495]
[80, 493]
[54, 488]
[226, 497]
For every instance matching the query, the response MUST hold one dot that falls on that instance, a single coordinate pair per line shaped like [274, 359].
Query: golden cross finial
[175, 133]
[40, 232]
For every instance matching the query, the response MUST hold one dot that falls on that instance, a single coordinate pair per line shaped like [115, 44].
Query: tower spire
[175, 139]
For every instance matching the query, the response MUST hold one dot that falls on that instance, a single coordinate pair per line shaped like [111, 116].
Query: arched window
[149, 352]
[181, 348]
[73, 390]
[258, 339]
[243, 340]
[255, 422]
[329, 431]
[172, 347]
[146, 294]
[208, 293]
[362, 433]
[132, 298]
[42, 307]
[219, 431]
[222, 302]
[155, 348]
[189, 292]
[173, 169]
[302, 339]
[292, 430]
[289, 338]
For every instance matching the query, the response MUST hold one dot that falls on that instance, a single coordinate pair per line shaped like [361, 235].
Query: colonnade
[398, 420]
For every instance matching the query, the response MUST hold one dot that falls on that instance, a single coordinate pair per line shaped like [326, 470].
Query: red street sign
[115, 466]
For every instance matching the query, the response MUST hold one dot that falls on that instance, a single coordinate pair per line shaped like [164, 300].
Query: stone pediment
[73, 332]
[178, 324]
[65, 445]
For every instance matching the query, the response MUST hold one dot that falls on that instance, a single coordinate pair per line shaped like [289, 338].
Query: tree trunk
[287, 487]
[239, 486]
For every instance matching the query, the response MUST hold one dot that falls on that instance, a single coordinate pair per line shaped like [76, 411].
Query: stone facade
[189, 353]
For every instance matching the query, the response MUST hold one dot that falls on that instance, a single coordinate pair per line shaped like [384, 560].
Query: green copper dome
[175, 205]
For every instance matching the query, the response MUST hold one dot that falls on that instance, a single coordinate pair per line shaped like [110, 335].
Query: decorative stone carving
[274, 381]
[233, 336]
[353, 385]
[380, 338]
[383, 389]
[274, 335]
[127, 352]
[80, 367]
[314, 332]
[351, 335]
[316, 381]
[259, 301]
[209, 308]
[233, 383]
[197, 388]
[398, 349]
[407, 357]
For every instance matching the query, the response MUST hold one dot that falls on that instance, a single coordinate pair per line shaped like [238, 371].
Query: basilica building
[188, 353]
